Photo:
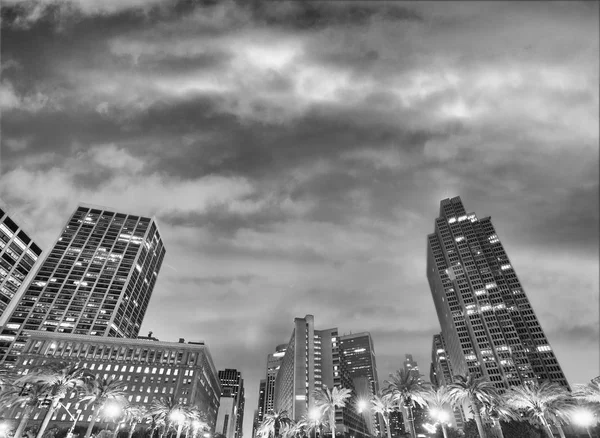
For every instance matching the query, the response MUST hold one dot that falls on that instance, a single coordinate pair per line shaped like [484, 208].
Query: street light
[179, 418]
[315, 415]
[4, 428]
[584, 418]
[362, 405]
[442, 416]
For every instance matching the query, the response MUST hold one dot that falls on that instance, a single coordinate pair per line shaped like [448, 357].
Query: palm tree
[498, 410]
[406, 390]
[165, 410]
[476, 391]
[98, 392]
[60, 378]
[196, 420]
[383, 405]
[438, 401]
[273, 422]
[328, 400]
[547, 403]
[135, 414]
[589, 392]
[28, 396]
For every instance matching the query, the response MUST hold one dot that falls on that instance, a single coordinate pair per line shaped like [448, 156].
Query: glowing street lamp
[442, 416]
[4, 428]
[179, 418]
[584, 418]
[362, 405]
[315, 415]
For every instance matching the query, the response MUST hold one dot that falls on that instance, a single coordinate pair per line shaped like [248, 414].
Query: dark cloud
[295, 154]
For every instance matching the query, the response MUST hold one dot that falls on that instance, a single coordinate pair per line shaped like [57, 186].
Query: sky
[295, 154]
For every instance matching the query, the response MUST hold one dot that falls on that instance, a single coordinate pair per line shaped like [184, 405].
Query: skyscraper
[260, 411]
[18, 254]
[274, 361]
[97, 280]
[487, 322]
[232, 386]
[312, 361]
[357, 358]
[411, 367]
[441, 372]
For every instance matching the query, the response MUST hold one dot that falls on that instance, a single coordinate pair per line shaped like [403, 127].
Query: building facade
[487, 322]
[151, 370]
[260, 411]
[18, 255]
[312, 361]
[357, 354]
[96, 280]
[274, 361]
[411, 367]
[441, 373]
[232, 387]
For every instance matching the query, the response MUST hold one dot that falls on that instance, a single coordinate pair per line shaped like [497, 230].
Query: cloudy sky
[295, 155]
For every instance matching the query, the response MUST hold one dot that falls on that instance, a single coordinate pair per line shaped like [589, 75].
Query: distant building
[488, 325]
[441, 373]
[396, 424]
[357, 354]
[18, 255]
[274, 361]
[260, 411]
[96, 280]
[232, 389]
[312, 361]
[411, 367]
[152, 370]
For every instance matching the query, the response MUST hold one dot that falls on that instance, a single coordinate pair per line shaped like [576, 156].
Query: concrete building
[152, 369]
[18, 255]
[441, 373]
[312, 361]
[232, 389]
[96, 280]
[411, 367]
[357, 354]
[274, 361]
[260, 411]
[487, 322]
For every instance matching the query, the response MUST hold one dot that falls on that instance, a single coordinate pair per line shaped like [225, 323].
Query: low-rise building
[151, 369]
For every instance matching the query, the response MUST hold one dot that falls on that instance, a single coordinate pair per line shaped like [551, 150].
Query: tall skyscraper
[357, 359]
[312, 361]
[274, 361]
[411, 367]
[232, 386]
[487, 322]
[18, 254]
[260, 411]
[97, 280]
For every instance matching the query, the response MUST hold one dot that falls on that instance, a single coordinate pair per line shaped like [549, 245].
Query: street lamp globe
[112, 410]
[443, 416]
[314, 414]
[177, 416]
[362, 405]
[583, 417]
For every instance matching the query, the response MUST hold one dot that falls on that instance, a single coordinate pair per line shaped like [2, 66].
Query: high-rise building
[18, 255]
[396, 424]
[260, 411]
[151, 369]
[441, 372]
[232, 387]
[487, 322]
[357, 358]
[274, 361]
[311, 362]
[96, 280]
[411, 367]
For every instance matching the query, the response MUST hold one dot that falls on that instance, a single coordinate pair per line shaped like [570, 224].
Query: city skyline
[280, 191]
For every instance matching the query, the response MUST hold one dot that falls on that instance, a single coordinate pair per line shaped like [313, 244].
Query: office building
[274, 361]
[441, 373]
[411, 367]
[488, 325]
[357, 358]
[260, 411]
[232, 389]
[311, 362]
[96, 280]
[18, 255]
[396, 424]
[152, 370]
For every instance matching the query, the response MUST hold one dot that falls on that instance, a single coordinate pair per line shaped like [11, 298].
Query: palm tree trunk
[131, 430]
[478, 421]
[444, 431]
[561, 432]
[47, 418]
[332, 422]
[179, 428]
[117, 429]
[95, 414]
[547, 428]
[498, 427]
[23, 423]
[411, 421]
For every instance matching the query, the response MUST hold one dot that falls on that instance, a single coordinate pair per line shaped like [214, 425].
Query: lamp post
[111, 411]
[441, 416]
[315, 416]
[584, 418]
[179, 418]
